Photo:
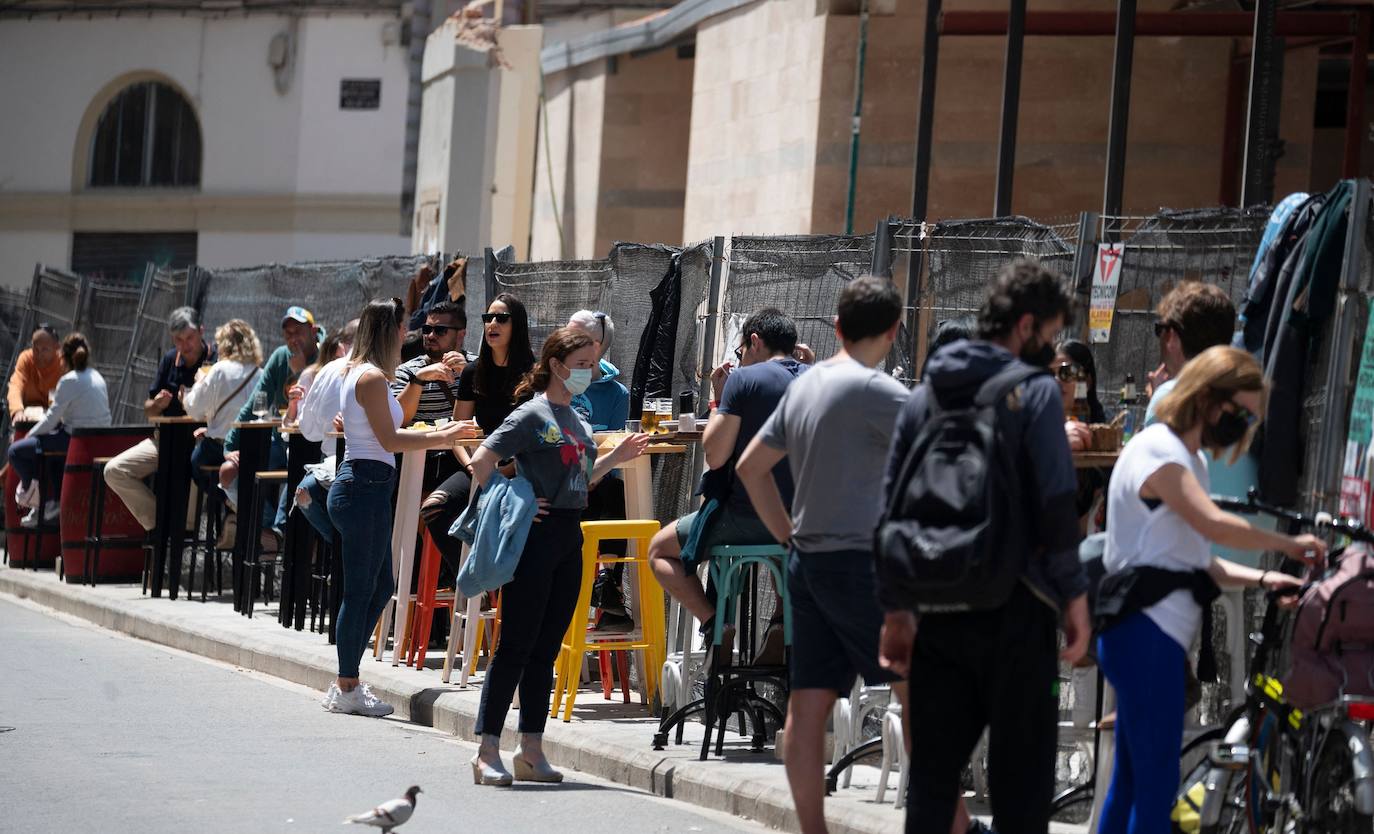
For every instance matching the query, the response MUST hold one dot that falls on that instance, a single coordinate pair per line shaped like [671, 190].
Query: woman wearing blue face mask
[554, 450]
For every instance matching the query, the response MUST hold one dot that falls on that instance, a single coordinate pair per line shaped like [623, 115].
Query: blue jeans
[317, 513]
[1146, 668]
[360, 507]
[26, 455]
[208, 452]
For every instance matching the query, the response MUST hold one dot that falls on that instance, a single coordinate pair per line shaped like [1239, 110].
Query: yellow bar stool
[650, 636]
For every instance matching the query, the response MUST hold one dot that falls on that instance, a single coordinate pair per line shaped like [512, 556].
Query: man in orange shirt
[35, 376]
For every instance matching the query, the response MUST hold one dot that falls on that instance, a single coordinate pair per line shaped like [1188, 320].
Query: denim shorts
[836, 621]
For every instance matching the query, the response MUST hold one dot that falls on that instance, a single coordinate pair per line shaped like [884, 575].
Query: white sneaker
[30, 520]
[52, 512]
[331, 695]
[27, 498]
[360, 701]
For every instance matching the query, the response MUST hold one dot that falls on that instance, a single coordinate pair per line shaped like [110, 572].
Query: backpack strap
[1002, 383]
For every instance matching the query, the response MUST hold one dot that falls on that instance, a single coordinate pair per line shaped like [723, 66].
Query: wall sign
[1355, 474]
[360, 94]
[1106, 279]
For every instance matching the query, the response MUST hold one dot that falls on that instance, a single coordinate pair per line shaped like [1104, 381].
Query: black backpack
[954, 534]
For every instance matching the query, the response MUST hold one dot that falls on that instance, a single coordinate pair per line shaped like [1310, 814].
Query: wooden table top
[257, 424]
[333, 435]
[1094, 460]
[176, 421]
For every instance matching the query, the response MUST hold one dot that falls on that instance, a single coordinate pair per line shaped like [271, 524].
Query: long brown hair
[378, 340]
[76, 351]
[1210, 379]
[561, 344]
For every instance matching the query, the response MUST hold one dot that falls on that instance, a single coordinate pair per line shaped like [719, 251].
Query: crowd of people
[834, 459]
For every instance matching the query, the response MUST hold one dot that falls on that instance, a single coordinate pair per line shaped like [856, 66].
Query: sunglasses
[441, 329]
[1250, 417]
[499, 318]
[1162, 327]
[739, 353]
[1068, 371]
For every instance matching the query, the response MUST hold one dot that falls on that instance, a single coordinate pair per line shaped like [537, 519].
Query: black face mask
[1041, 356]
[1227, 431]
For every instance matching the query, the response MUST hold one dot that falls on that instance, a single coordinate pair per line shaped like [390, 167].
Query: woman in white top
[219, 394]
[360, 499]
[80, 402]
[1161, 525]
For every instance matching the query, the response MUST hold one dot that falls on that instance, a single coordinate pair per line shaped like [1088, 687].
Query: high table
[1095, 460]
[255, 445]
[176, 439]
[299, 535]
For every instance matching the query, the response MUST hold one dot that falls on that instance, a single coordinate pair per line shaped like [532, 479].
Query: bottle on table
[1082, 412]
[1127, 404]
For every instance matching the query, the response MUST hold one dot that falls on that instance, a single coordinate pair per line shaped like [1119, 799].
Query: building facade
[214, 134]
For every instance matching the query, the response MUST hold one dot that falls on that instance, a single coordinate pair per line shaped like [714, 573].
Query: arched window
[147, 136]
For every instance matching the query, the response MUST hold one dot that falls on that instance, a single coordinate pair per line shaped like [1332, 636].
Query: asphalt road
[113, 734]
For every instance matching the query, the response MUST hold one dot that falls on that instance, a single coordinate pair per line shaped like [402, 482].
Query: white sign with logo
[1102, 302]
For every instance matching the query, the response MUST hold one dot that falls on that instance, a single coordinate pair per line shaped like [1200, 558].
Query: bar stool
[730, 687]
[579, 639]
[96, 540]
[322, 559]
[210, 510]
[254, 565]
[44, 528]
[429, 598]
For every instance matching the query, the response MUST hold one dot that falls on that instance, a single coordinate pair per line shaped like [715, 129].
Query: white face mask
[579, 380]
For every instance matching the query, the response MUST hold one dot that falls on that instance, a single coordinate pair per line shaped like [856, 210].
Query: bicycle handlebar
[1322, 521]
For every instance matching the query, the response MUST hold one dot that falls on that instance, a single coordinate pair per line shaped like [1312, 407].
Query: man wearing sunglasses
[427, 386]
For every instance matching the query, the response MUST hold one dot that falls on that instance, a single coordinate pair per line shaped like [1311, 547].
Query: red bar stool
[429, 598]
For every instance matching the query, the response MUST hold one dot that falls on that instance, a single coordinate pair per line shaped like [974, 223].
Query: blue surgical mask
[579, 380]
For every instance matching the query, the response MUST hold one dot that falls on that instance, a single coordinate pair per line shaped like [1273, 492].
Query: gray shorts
[726, 527]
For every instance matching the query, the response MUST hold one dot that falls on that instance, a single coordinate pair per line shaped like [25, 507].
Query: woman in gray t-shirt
[554, 450]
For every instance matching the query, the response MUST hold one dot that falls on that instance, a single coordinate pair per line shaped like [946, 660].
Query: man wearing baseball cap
[283, 367]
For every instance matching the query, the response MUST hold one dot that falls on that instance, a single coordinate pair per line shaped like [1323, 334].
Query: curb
[710, 784]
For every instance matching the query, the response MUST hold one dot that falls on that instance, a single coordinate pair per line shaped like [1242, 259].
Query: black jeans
[536, 607]
[996, 669]
[457, 487]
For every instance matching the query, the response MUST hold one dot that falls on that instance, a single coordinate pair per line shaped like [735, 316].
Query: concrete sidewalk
[608, 739]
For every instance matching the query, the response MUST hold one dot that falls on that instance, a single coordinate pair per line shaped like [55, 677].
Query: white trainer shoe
[52, 512]
[27, 498]
[360, 701]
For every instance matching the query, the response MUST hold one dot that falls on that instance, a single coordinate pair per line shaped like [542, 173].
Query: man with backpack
[979, 539]
[833, 427]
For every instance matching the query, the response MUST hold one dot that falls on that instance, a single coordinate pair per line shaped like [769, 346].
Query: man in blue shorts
[832, 429]
[745, 397]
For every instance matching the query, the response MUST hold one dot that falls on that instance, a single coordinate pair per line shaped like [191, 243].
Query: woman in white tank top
[360, 499]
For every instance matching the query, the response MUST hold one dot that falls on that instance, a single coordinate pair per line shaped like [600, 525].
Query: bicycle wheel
[1074, 804]
[1330, 806]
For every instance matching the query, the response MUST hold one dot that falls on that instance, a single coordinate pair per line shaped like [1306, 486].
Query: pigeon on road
[388, 815]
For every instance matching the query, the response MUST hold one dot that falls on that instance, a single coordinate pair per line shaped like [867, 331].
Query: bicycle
[1278, 769]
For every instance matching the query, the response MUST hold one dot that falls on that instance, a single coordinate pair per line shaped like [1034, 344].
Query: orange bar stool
[429, 598]
[649, 638]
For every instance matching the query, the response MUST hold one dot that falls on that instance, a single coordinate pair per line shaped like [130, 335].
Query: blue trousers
[208, 452]
[317, 513]
[1146, 668]
[360, 507]
[26, 456]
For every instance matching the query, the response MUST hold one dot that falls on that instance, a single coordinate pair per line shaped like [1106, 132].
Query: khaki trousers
[127, 475]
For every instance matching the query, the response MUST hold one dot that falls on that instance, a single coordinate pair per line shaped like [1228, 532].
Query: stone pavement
[608, 739]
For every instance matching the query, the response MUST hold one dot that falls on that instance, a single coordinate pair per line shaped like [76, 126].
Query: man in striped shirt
[427, 386]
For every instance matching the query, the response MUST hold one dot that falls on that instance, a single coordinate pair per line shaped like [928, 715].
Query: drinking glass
[260, 407]
[664, 407]
[648, 417]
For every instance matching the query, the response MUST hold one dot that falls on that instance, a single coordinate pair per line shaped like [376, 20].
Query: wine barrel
[18, 540]
[124, 561]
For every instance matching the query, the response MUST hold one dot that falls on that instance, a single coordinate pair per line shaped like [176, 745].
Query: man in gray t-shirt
[833, 426]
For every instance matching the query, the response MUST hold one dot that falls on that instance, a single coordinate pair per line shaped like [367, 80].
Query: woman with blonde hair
[1161, 525]
[220, 392]
[360, 498]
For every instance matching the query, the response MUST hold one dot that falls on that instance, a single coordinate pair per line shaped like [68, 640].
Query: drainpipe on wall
[419, 33]
[857, 117]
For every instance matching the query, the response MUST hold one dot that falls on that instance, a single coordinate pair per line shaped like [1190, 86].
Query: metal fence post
[708, 341]
[1087, 248]
[1331, 443]
[1011, 107]
[489, 274]
[882, 249]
